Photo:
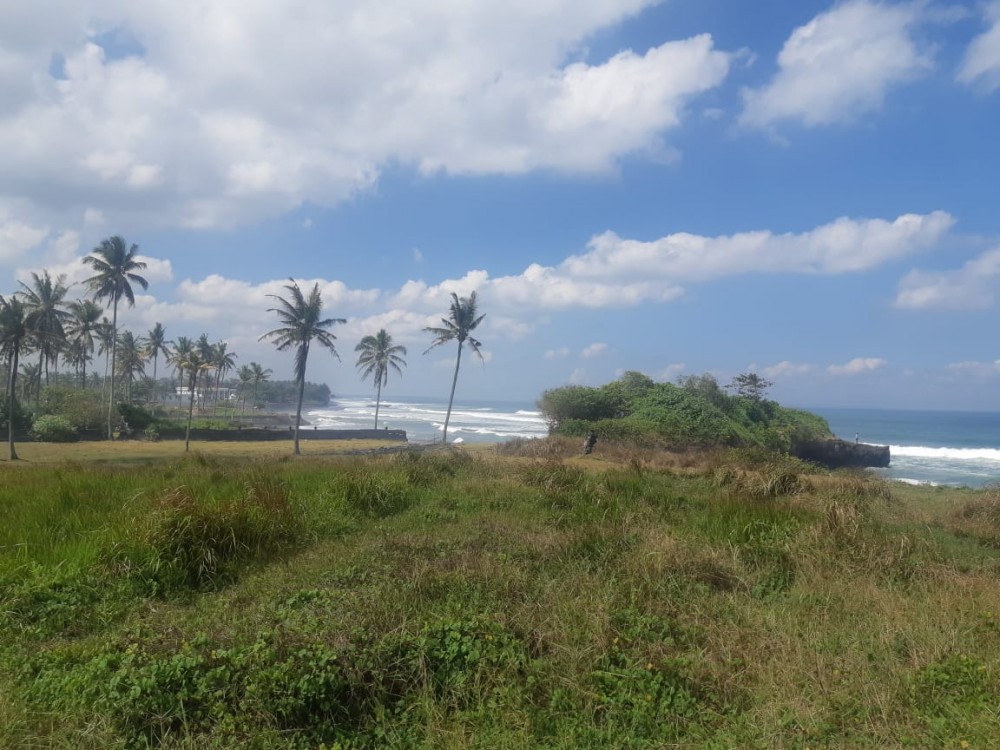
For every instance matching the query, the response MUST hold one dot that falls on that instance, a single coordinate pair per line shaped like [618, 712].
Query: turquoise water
[927, 447]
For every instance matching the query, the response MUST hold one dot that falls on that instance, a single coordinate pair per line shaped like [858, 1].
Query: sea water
[927, 447]
[423, 419]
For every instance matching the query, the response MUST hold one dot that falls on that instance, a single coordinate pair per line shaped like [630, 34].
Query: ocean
[423, 418]
[927, 447]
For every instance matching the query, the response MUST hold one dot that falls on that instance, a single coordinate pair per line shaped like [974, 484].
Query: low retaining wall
[252, 434]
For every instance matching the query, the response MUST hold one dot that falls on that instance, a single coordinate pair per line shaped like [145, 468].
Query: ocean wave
[916, 482]
[951, 454]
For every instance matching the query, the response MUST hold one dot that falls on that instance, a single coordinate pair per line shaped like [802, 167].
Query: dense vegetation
[521, 598]
[697, 412]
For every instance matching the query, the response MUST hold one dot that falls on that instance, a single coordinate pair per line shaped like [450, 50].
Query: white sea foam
[423, 420]
[951, 454]
[916, 482]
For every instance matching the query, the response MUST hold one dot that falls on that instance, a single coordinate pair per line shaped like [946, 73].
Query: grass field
[517, 597]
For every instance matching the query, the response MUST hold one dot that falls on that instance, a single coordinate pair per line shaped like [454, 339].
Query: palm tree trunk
[114, 352]
[298, 412]
[451, 398]
[10, 406]
[187, 433]
[378, 401]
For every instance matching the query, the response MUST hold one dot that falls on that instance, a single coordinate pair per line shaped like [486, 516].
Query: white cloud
[594, 350]
[218, 119]
[578, 376]
[857, 366]
[787, 369]
[842, 246]
[560, 353]
[418, 257]
[17, 238]
[973, 286]
[840, 65]
[982, 59]
[671, 371]
[976, 369]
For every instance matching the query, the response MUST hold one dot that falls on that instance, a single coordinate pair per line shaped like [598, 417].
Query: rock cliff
[837, 454]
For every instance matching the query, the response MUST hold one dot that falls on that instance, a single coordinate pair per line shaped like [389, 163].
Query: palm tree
[461, 321]
[45, 315]
[245, 374]
[131, 360]
[115, 266]
[31, 382]
[14, 334]
[156, 342]
[83, 326]
[176, 356]
[223, 362]
[377, 355]
[190, 360]
[260, 375]
[301, 325]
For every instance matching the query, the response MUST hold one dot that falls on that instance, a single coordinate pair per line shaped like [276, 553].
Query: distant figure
[857, 437]
[589, 443]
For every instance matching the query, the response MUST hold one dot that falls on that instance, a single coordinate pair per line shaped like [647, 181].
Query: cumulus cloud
[981, 65]
[857, 366]
[973, 286]
[976, 369]
[845, 245]
[840, 65]
[594, 350]
[223, 112]
[787, 369]
[560, 353]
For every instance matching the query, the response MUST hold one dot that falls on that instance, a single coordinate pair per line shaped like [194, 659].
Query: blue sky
[805, 189]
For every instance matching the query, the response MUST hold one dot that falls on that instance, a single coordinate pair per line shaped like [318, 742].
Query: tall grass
[444, 600]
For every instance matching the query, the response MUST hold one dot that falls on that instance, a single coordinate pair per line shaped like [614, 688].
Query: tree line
[39, 320]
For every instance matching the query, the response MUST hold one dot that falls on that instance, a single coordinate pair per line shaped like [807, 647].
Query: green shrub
[370, 491]
[136, 417]
[52, 428]
[84, 409]
[152, 433]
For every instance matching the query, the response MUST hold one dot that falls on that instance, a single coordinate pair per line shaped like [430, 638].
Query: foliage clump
[695, 413]
[53, 429]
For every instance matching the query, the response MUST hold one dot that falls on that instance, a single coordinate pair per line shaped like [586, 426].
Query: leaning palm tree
[156, 342]
[301, 325]
[31, 382]
[44, 307]
[460, 323]
[14, 333]
[190, 361]
[378, 354]
[83, 327]
[115, 265]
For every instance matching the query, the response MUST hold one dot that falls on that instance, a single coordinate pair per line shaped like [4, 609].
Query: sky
[806, 190]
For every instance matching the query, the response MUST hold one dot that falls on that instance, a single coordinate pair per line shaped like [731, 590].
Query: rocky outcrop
[839, 454]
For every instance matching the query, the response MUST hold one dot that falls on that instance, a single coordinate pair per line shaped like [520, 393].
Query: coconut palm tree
[190, 361]
[245, 374]
[462, 320]
[223, 362]
[83, 327]
[156, 342]
[182, 347]
[44, 307]
[115, 265]
[131, 360]
[377, 355]
[14, 333]
[260, 375]
[31, 382]
[301, 325]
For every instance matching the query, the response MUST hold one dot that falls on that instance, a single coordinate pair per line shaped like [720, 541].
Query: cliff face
[837, 454]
